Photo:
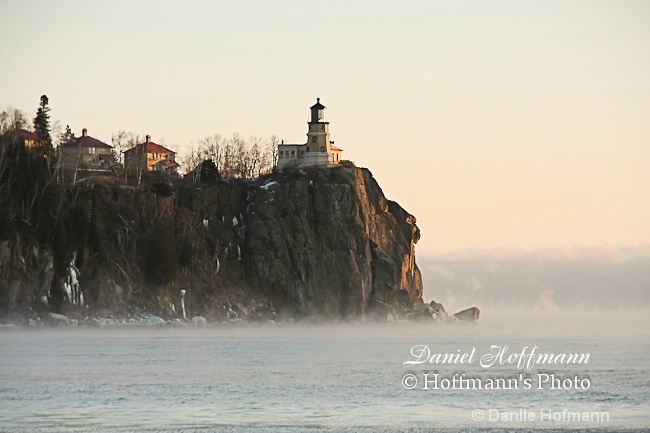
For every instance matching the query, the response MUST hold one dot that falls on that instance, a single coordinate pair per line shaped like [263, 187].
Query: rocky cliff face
[321, 243]
[327, 242]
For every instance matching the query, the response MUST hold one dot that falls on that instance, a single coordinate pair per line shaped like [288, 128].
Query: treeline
[234, 157]
[228, 158]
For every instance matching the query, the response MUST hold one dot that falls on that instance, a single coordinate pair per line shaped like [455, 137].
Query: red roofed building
[318, 150]
[150, 156]
[86, 152]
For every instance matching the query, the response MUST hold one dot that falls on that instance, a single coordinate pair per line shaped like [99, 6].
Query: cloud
[474, 284]
[565, 253]
[442, 271]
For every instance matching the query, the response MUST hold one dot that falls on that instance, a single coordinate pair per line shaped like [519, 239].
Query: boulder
[199, 321]
[55, 319]
[469, 315]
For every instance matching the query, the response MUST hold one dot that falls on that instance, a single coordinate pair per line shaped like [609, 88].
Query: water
[334, 378]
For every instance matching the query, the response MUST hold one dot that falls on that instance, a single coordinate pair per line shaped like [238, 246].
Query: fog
[550, 280]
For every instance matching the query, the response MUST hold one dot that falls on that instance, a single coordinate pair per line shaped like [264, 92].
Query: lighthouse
[318, 150]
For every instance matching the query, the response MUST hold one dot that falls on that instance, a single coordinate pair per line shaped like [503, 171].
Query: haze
[514, 123]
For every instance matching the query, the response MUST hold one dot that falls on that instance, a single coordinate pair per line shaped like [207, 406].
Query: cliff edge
[310, 243]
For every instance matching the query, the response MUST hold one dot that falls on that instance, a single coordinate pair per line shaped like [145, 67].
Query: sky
[501, 124]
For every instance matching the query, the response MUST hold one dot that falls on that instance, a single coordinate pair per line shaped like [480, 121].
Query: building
[86, 152]
[318, 150]
[28, 137]
[149, 156]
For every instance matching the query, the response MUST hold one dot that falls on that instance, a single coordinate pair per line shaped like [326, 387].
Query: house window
[313, 139]
[322, 127]
[302, 152]
[322, 148]
[293, 152]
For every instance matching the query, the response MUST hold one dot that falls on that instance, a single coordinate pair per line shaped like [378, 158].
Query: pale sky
[495, 123]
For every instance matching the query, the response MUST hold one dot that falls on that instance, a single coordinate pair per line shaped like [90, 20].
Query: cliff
[312, 243]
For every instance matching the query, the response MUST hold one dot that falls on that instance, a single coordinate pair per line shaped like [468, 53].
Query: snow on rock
[153, 321]
[56, 319]
[269, 184]
[199, 321]
[232, 314]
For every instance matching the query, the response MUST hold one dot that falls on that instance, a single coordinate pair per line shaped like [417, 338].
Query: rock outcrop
[310, 243]
[469, 315]
[327, 242]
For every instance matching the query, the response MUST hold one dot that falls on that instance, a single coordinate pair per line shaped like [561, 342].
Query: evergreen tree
[42, 122]
[67, 136]
[42, 127]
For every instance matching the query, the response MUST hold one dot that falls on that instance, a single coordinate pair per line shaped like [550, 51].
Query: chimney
[84, 132]
[148, 138]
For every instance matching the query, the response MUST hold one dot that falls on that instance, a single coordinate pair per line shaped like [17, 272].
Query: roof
[87, 141]
[26, 135]
[317, 105]
[150, 147]
[336, 149]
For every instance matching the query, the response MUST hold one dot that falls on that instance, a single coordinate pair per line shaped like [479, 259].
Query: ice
[269, 184]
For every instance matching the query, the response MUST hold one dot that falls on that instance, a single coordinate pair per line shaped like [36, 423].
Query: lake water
[333, 378]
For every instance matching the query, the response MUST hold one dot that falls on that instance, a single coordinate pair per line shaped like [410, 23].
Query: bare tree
[123, 141]
[11, 119]
[235, 157]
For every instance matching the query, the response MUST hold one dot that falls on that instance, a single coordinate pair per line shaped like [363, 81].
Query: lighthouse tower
[318, 150]
[318, 135]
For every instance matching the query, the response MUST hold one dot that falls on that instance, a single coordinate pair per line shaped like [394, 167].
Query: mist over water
[553, 282]
[327, 377]
[348, 377]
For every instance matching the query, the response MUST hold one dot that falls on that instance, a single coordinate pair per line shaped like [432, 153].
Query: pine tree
[42, 123]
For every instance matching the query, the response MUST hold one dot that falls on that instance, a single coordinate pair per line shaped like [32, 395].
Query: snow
[153, 321]
[57, 317]
[269, 184]
[199, 321]
[235, 223]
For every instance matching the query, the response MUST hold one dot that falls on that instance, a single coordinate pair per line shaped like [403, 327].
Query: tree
[123, 141]
[67, 136]
[12, 119]
[233, 158]
[42, 122]
[42, 128]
